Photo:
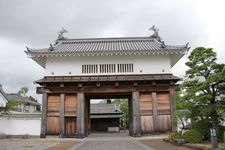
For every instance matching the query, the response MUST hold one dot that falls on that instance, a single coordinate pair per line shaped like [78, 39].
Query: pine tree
[204, 86]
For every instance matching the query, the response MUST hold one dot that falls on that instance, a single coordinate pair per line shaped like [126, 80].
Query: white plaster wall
[2, 101]
[20, 126]
[149, 64]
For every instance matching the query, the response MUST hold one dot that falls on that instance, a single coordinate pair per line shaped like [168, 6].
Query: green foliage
[222, 147]
[221, 133]
[223, 136]
[181, 117]
[192, 136]
[175, 135]
[203, 127]
[203, 86]
[123, 103]
[10, 105]
[23, 91]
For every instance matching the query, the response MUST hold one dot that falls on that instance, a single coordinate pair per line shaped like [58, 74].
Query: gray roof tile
[132, 44]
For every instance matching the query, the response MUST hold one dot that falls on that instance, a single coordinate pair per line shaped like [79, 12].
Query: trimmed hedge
[193, 136]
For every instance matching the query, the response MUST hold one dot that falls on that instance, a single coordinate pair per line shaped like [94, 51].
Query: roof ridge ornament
[156, 32]
[60, 34]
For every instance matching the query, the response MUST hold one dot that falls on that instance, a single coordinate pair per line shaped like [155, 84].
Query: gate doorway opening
[108, 113]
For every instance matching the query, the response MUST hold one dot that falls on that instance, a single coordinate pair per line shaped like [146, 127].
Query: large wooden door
[164, 113]
[70, 126]
[70, 105]
[53, 106]
[146, 112]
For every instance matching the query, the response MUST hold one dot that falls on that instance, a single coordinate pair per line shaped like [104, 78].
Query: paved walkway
[110, 141]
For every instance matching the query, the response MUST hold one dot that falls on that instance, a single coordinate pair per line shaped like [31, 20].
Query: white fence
[20, 124]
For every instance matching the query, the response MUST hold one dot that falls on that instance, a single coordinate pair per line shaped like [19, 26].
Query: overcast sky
[35, 23]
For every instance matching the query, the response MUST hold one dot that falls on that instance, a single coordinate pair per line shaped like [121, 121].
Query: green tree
[203, 86]
[123, 103]
[23, 91]
[182, 114]
[10, 105]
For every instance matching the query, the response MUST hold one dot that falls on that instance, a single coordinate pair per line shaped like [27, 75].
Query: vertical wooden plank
[136, 114]
[43, 115]
[61, 115]
[154, 112]
[172, 108]
[80, 115]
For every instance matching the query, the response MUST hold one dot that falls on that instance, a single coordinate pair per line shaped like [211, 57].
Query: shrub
[203, 127]
[174, 135]
[221, 134]
[222, 147]
[193, 136]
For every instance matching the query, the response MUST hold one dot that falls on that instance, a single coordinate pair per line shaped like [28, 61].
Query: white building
[3, 99]
[135, 68]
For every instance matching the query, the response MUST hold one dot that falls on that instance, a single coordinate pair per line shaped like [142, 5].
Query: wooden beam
[108, 89]
[154, 112]
[44, 115]
[80, 115]
[61, 115]
[172, 108]
[136, 121]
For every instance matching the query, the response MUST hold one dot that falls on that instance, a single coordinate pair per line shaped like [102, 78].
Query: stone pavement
[106, 141]
[110, 141]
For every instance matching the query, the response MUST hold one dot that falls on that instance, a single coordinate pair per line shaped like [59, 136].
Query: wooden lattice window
[90, 68]
[121, 68]
[107, 68]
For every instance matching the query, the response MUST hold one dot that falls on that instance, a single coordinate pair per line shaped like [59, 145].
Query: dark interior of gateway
[108, 113]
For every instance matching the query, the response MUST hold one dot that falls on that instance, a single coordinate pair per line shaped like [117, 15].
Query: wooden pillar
[154, 112]
[173, 108]
[80, 115]
[136, 132]
[130, 110]
[61, 115]
[44, 115]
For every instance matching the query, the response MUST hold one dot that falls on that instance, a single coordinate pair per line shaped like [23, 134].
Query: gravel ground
[25, 144]
[36, 144]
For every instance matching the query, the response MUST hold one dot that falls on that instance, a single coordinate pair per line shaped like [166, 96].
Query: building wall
[20, 125]
[149, 64]
[2, 101]
[25, 108]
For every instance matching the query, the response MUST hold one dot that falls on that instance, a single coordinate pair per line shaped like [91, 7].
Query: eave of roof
[102, 78]
[106, 47]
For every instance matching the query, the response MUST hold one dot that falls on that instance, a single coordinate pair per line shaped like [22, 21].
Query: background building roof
[17, 97]
[105, 111]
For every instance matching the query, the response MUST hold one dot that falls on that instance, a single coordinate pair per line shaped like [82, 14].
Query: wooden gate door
[70, 126]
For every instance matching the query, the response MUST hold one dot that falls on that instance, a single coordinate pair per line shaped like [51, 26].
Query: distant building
[104, 116]
[25, 103]
[3, 99]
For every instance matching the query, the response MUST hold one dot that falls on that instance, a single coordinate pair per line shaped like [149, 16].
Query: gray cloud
[35, 24]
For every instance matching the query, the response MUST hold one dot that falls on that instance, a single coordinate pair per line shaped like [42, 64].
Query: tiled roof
[108, 45]
[78, 79]
[16, 97]
[104, 109]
